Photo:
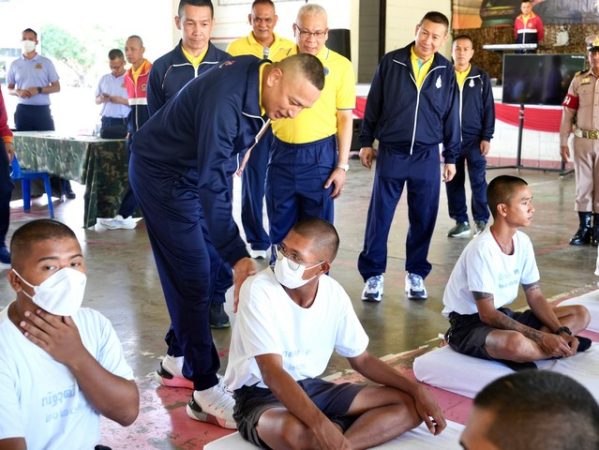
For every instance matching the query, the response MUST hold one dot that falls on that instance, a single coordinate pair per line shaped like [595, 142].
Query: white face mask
[28, 46]
[60, 294]
[288, 277]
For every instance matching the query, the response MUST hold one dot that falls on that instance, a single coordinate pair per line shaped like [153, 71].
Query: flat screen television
[538, 79]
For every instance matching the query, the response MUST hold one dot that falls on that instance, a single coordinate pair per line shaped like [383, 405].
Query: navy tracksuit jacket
[168, 75]
[173, 70]
[179, 173]
[409, 123]
[477, 120]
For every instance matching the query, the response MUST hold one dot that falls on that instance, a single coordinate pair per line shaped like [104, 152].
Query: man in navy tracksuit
[193, 56]
[173, 70]
[412, 107]
[477, 120]
[179, 173]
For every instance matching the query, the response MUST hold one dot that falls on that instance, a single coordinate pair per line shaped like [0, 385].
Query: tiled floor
[124, 286]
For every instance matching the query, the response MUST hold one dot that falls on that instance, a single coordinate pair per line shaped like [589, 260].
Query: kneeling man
[288, 324]
[485, 279]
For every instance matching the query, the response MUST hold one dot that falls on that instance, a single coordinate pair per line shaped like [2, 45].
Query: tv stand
[562, 170]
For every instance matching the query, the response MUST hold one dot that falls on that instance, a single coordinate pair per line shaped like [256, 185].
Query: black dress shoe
[71, 195]
[584, 233]
[218, 316]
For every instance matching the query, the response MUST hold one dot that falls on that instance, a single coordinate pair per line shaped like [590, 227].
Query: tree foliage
[61, 45]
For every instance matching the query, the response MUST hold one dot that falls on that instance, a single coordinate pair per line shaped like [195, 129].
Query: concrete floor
[124, 286]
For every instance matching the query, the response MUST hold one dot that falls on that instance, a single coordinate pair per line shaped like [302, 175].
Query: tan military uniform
[580, 116]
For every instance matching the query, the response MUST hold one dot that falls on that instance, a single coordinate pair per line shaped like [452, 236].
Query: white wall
[403, 16]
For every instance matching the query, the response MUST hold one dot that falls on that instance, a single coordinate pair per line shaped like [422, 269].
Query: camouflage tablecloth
[100, 164]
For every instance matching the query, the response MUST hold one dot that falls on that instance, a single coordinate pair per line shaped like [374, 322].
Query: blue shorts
[332, 399]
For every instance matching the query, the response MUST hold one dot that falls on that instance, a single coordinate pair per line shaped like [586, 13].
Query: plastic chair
[25, 176]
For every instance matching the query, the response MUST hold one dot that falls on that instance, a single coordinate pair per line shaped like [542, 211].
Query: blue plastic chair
[25, 176]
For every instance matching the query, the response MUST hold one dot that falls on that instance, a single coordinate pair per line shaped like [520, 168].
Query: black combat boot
[585, 230]
[595, 236]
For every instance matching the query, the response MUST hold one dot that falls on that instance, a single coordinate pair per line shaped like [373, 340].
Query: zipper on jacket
[417, 99]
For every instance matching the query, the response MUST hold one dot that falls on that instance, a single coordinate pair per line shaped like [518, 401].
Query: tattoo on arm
[504, 322]
[531, 287]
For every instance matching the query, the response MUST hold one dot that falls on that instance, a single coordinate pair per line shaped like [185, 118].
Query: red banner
[537, 119]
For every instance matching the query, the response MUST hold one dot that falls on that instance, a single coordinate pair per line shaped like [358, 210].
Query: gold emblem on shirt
[39, 66]
[586, 80]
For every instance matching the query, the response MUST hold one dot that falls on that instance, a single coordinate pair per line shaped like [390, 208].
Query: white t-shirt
[40, 399]
[483, 267]
[268, 321]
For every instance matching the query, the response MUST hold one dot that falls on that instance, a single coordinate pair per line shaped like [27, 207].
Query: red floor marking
[162, 423]
[455, 407]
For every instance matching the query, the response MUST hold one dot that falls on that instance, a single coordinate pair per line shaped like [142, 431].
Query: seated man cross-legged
[485, 279]
[288, 323]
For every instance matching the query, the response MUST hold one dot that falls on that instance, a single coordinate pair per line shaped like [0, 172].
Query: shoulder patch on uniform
[439, 83]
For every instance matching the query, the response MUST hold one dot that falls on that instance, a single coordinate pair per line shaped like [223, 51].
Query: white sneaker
[415, 289]
[119, 222]
[214, 405]
[258, 254]
[373, 289]
[170, 373]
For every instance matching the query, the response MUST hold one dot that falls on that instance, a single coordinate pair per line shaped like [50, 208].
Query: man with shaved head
[290, 321]
[179, 173]
[61, 365]
[136, 83]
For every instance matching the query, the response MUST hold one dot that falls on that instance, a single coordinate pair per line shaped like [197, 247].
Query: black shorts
[467, 334]
[332, 399]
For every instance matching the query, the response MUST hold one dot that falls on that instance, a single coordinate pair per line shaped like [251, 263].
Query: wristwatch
[345, 166]
[39, 90]
[566, 330]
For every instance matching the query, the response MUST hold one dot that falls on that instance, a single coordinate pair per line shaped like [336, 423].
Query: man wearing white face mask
[32, 78]
[288, 323]
[61, 366]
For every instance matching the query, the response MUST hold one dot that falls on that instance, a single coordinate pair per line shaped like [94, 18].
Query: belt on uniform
[586, 134]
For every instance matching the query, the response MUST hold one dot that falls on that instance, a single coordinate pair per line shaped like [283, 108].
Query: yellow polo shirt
[280, 48]
[461, 76]
[194, 60]
[320, 121]
[419, 67]
[137, 72]
[260, 78]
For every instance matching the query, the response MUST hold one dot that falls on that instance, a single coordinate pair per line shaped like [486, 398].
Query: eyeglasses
[292, 261]
[305, 34]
